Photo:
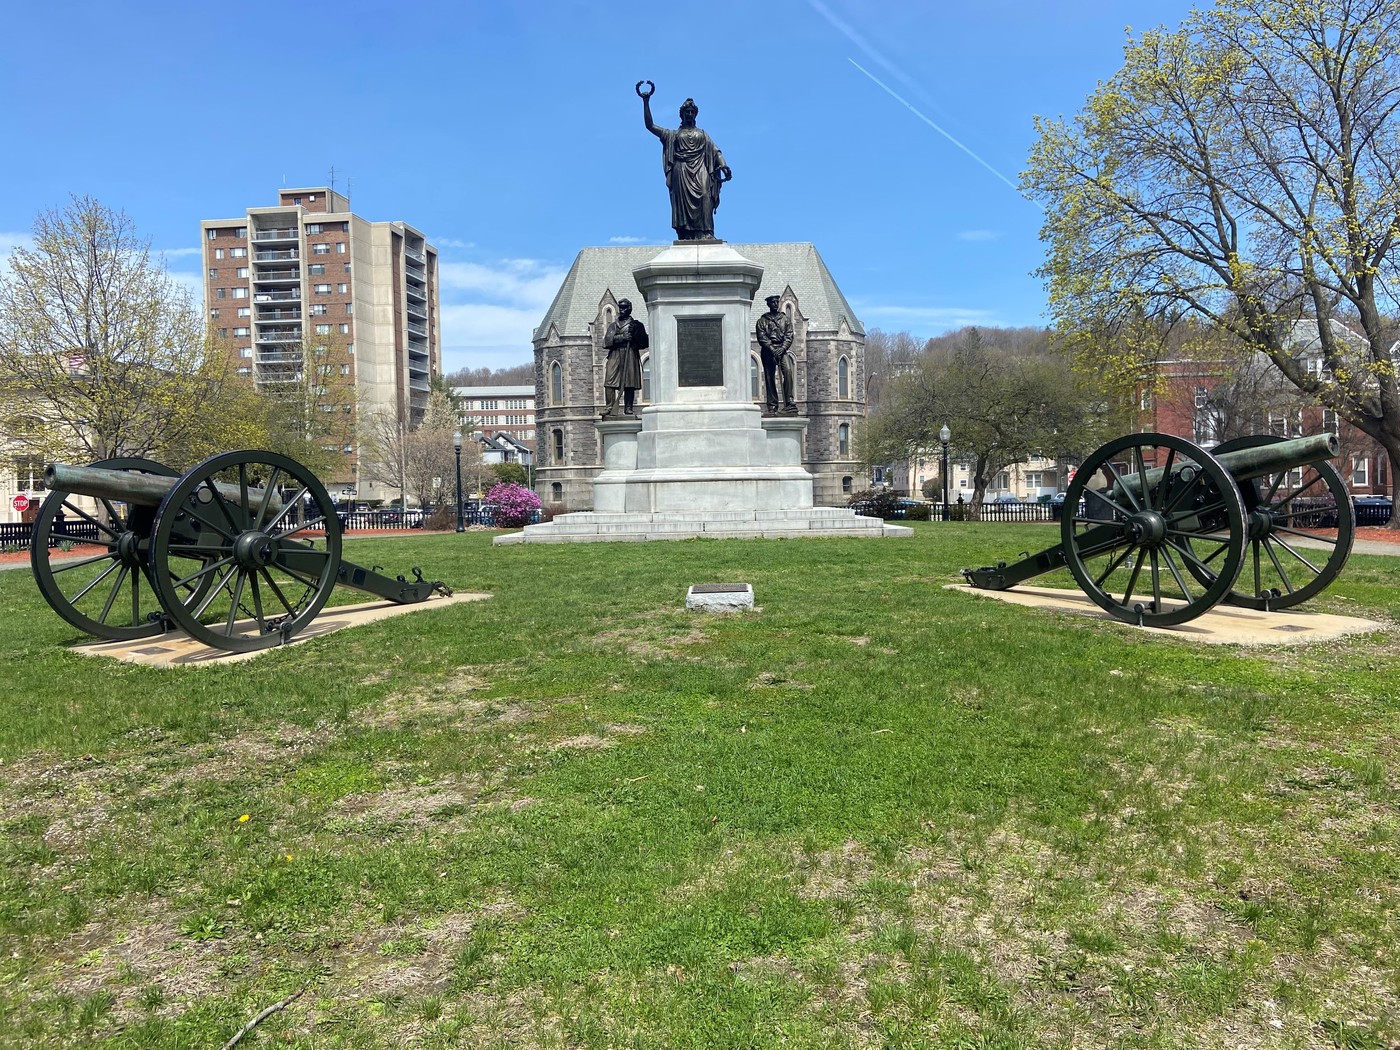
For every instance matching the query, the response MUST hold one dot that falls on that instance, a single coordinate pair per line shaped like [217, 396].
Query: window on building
[1360, 472]
[556, 492]
[211, 234]
[240, 293]
[238, 253]
[213, 274]
[557, 436]
[342, 288]
[242, 271]
[223, 333]
[350, 349]
[344, 328]
[314, 227]
[843, 439]
[349, 308]
[245, 351]
[556, 383]
[214, 314]
[296, 200]
[323, 289]
[323, 329]
[319, 310]
[345, 370]
[239, 331]
[245, 311]
[245, 371]
[846, 485]
[320, 249]
[1329, 420]
[340, 247]
[317, 269]
[843, 377]
[347, 267]
[220, 293]
[489, 404]
[218, 253]
[241, 232]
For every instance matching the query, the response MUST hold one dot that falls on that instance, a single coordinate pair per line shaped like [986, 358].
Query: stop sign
[20, 503]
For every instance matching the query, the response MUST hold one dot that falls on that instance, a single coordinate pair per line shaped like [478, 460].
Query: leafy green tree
[513, 473]
[103, 354]
[1242, 172]
[1002, 407]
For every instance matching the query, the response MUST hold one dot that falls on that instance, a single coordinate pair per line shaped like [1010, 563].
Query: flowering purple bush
[511, 505]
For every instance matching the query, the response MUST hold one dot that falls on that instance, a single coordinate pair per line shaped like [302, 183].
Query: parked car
[1003, 497]
[1373, 510]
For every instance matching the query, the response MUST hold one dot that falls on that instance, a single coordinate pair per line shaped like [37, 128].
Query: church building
[828, 351]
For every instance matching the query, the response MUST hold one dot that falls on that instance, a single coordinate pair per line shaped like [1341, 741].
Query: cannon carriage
[241, 552]
[1157, 531]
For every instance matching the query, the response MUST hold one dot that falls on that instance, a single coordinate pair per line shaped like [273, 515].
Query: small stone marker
[719, 597]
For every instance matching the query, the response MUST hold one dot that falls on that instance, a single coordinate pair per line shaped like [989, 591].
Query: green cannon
[241, 552]
[1156, 530]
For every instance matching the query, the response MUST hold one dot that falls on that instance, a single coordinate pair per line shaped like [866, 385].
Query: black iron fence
[18, 534]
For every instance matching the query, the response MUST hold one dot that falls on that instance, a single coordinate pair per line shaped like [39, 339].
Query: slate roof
[797, 264]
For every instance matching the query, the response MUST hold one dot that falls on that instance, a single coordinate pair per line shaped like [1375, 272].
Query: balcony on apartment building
[414, 255]
[279, 357]
[285, 295]
[418, 329]
[282, 233]
[276, 255]
[279, 315]
[289, 334]
[416, 290]
[276, 275]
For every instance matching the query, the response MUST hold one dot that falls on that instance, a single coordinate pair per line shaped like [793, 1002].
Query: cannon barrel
[1248, 463]
[129, 487]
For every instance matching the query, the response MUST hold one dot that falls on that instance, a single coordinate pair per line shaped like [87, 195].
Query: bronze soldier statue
[774, 332]
[694, 167]
[624, 340]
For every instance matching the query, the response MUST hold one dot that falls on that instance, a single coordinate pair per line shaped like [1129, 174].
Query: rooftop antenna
[332, 178]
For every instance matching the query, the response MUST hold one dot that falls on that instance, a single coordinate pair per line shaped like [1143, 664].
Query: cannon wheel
[103, 594]
[271, 570]
[1155, 552]
[1278, 571]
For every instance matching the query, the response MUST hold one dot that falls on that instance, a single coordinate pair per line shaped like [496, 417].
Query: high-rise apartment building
[309, 273]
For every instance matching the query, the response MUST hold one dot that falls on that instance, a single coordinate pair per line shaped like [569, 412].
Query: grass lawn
[873, 813]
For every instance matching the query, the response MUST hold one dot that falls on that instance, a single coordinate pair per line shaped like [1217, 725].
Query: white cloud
[450, 242]
[176, 253]
[627, 240]
[978, 235]
[489, 311]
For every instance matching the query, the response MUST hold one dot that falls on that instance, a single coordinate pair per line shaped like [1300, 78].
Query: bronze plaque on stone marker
[699, 351]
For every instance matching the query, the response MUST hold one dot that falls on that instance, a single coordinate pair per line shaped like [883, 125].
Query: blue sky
[511, 135]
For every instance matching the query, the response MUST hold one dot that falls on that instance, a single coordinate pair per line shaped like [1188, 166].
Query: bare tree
[308, 408]
[420, 462]
[103, 354]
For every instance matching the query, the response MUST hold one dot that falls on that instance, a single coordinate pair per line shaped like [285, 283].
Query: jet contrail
[897, 97]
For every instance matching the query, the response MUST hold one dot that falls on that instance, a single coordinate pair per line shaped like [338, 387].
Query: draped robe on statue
[691, 160]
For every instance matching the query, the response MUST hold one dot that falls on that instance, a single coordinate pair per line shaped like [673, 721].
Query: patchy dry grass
[874, 814]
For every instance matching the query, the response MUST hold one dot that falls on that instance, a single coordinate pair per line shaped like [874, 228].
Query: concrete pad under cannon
[180, 650]
[1223, 625]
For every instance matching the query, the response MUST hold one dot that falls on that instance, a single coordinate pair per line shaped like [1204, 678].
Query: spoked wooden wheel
[1161, 537]
[1300, 527]
[110, 593]
[261, 530]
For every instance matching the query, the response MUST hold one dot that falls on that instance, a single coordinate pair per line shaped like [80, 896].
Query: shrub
[876, 503]
[443, 519]
[917, 512]
[511, 505]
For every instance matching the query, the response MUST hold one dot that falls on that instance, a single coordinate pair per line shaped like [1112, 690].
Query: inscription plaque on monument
[699, 351]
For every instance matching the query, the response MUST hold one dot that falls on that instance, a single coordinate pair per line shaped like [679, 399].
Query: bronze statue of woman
[694, 167]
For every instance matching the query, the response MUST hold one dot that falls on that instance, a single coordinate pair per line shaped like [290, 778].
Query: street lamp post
[944, 435]
[457, 447]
